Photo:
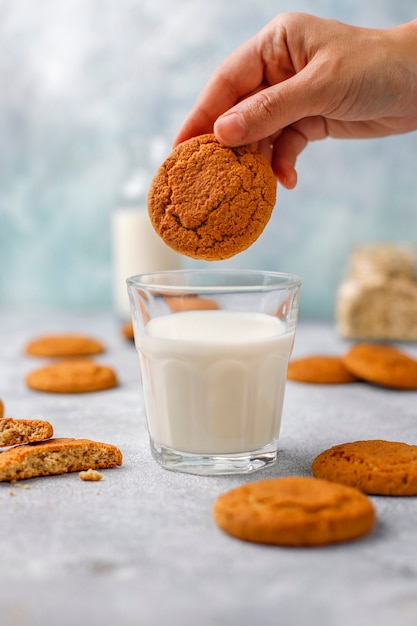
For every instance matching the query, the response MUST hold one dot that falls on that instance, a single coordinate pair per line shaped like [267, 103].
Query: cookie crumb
[91, 475]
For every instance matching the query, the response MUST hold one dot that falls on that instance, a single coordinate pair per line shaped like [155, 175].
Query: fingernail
[230, 129]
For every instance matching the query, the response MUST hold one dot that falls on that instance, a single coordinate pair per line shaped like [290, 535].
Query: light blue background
[93, 92]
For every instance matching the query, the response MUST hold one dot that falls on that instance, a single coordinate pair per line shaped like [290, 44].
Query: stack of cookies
[378, 299]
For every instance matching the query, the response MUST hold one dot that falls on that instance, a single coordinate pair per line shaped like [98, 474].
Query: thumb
[264, 113]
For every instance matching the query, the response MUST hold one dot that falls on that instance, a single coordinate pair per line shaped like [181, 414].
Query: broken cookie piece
[15, 431]
[57, 456]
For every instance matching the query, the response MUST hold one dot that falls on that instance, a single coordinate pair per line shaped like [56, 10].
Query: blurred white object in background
[137, 249]
[378, 298]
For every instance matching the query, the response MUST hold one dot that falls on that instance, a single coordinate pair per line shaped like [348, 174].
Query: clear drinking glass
[213, 349]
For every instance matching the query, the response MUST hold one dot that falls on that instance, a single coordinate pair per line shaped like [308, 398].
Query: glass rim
[161, 280]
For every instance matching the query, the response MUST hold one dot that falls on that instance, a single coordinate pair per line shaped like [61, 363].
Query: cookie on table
[1, 409]
[209, 201]
[72, 376]
[320, 370]
[64, 345]
[127, 330]
[294, 511]
[378, 467]
[57, 456]
[15, 431]
[382, 365]
[190, 303]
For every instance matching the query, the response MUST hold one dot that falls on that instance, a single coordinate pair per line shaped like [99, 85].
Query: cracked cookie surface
[378, 467]
[210, 202]
[294, 511]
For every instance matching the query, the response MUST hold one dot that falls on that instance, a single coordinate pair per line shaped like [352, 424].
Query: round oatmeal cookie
[382, 365]
[320, 370]
[72, 376]
[64, 346]
[294, 511]
[208, 201]
[386, 468]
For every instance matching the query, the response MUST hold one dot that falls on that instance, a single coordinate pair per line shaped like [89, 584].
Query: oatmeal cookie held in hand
[209, 201]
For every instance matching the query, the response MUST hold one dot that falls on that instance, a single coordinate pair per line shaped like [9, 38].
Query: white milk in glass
[214, 381]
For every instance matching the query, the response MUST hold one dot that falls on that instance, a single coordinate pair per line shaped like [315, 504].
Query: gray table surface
[140, 547]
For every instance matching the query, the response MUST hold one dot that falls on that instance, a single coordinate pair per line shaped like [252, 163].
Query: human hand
[304, 78]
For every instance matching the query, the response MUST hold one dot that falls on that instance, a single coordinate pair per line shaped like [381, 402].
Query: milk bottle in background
[136, 248]
[213, 380]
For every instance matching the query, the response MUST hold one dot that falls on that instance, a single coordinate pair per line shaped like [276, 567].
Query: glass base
[214, 464]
